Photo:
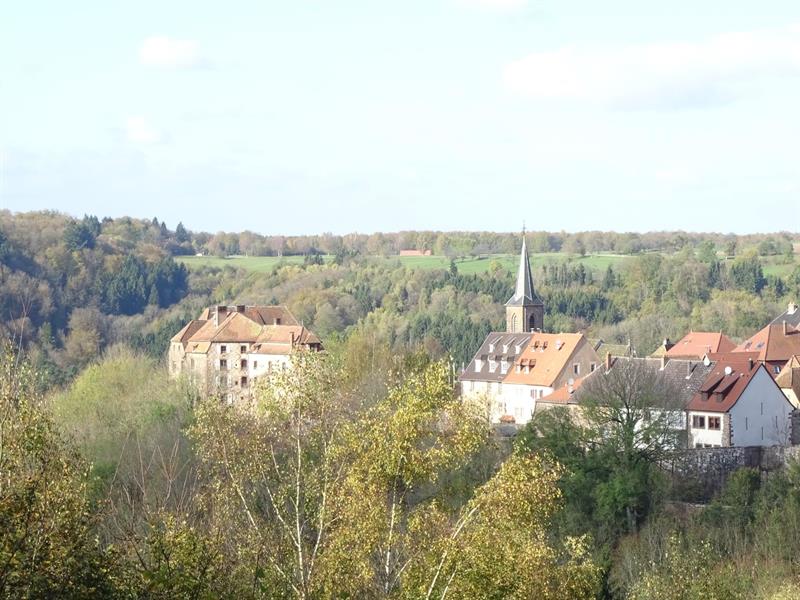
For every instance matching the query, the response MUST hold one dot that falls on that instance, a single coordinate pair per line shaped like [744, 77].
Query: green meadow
[468, 266]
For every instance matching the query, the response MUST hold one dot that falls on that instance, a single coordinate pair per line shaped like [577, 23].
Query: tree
[707, 252]
[181, 235]
[636, 415]
[499, 546]
[82, 234]
[629, 422]
[747, 275]
[273, 471]
[399, 451]
[48, 546]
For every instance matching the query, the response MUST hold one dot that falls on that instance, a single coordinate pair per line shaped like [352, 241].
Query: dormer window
[492, 366]
[505, 348]
[478, 364]
[504, 367]
[491, 347]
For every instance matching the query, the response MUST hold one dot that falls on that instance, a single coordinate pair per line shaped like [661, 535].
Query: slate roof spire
[523, 293]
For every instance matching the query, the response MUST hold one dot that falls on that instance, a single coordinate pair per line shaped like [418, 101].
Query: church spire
[524, 310]
[523, 294]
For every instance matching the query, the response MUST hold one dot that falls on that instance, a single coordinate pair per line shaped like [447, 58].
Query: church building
[514, 368]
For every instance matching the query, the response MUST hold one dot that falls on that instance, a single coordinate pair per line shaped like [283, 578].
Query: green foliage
[47, 546]
[747, 275]
[116, 403]
[82, 234]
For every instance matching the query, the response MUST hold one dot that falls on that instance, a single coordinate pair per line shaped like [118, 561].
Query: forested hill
[72, 287]
[65, 280]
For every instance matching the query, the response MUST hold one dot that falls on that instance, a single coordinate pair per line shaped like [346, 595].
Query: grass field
[468, 266]
[257, 264]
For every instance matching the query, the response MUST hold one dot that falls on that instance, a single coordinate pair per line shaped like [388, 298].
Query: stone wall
[703, 471]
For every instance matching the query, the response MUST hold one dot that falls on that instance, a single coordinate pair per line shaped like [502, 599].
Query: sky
[302, 116]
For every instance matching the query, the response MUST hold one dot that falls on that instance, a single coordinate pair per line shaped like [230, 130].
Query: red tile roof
[696, 344]
[774, 343]
[545, 358]
[566, 393]
[724, 385]
[250, 325]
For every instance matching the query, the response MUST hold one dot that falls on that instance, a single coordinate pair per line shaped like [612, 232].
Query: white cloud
[662, 76]
[139, 131]
[499, 5]
[168, 53]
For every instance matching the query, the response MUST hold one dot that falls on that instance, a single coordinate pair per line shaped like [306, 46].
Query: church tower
[524, 311]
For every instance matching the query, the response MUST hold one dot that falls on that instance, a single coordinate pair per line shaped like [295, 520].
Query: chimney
[219, 314]
[750, 362]
[276, 321]
[792, 308]
[240, 308]
[608, 361]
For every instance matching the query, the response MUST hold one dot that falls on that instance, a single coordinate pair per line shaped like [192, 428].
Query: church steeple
[524, 310]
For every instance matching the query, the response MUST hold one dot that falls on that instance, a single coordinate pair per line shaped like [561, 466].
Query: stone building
[227, 348]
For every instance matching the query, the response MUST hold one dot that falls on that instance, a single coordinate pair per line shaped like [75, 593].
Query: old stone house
[227, 348]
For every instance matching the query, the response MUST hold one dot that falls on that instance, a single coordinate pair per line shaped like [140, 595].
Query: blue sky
[306, 117]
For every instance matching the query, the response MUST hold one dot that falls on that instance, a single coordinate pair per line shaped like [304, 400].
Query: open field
[257, 264]
[262, 264]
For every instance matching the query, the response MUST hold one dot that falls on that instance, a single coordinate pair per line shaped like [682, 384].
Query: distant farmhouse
[514, 368]
[227, 348]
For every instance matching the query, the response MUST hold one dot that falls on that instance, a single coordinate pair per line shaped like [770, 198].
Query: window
[776, 369]
[242, 349]
[713, 423]
[513, 323]
[243, 362]
[576, 369]
[255, 364]
[698, 422]
[499, 387]
[243, 382]
[223, 349]
[592, 367]
[223, 364]
[746, 424]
